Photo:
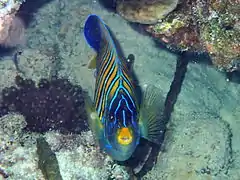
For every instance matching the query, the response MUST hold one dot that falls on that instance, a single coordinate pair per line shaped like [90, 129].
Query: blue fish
[115, 115]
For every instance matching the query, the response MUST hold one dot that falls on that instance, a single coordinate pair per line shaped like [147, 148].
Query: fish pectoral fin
[96, 125]
[92, 64]
[150, 122]
[93, 119]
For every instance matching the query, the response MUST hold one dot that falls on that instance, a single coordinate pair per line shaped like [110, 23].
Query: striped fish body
[115, 101]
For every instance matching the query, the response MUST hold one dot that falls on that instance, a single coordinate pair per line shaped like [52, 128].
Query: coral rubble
[55, 104]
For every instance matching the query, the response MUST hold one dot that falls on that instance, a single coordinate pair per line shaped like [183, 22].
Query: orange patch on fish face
[124, 136]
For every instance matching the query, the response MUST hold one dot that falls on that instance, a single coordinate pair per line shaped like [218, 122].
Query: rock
[190, 152]
[145, 11]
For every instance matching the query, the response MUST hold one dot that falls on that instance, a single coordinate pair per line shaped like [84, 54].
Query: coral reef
[179, 29]
[145, 11]
[204, 26]
[176, 34]
[54, 104]
[195, 25]
[220, 34]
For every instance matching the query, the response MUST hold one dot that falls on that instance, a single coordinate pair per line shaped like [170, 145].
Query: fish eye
[111, 117]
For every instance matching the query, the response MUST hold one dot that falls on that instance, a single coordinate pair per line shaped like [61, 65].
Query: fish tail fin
[92, 31]
[151, 125]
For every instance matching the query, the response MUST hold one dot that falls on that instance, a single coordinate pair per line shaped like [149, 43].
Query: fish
[115, 115]
[16, 58]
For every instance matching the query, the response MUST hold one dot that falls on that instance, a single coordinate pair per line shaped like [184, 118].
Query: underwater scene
[119, 90]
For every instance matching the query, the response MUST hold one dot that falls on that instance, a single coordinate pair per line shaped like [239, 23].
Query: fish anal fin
[150, 122]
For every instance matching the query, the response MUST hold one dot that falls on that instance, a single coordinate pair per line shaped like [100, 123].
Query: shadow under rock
[139, 28]
[110, 5]
[234, 76]
[29, 8]
[145, 156]
[193, 57]
[199, 58]
[4, 51]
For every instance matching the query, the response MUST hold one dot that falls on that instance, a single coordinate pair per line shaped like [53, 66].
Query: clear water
[202, 109]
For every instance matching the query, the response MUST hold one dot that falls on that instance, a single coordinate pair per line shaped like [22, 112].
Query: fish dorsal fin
[93, 32]
[150, 122]
[97, 33]
[99, 37]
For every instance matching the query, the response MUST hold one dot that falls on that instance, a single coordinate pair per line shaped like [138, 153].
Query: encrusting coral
[53, 105]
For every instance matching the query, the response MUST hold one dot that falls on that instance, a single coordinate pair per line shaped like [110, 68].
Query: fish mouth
[125, 136]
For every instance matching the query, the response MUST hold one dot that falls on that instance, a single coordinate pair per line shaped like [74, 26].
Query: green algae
[167, 26]
[47, 160]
